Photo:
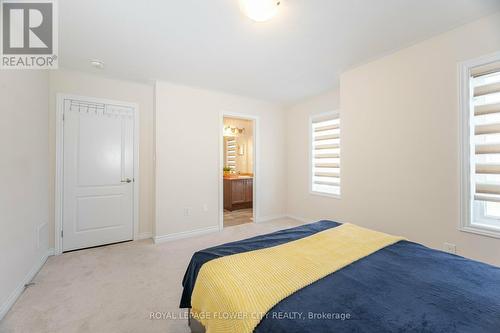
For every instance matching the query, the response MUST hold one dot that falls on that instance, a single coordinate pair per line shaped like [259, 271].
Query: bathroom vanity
[238, 192]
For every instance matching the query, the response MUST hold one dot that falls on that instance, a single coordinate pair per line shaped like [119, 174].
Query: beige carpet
[115, 288]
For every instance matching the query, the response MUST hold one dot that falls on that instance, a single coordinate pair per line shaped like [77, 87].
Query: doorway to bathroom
[238, 165]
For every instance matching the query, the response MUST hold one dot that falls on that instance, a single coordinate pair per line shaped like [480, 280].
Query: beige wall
[300, 203]
[24, 162]
[76, 83]
[188, 125]
[400, 144]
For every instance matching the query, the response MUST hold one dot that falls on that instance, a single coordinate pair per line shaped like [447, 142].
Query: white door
[98, 174]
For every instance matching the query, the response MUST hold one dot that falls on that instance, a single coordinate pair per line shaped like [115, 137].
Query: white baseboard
[300, 219]
[270, 218]
[284, 216]
[5, 307]
[184, 234]
[144, 235]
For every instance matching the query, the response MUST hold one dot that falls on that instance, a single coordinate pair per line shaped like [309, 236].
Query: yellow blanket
[233, 293]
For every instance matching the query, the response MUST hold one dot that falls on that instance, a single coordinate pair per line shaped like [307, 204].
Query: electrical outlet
[450, 248]
[187, 211]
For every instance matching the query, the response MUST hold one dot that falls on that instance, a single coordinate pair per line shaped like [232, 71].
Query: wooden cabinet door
[227, 195]
[238, 191]
[249, 190]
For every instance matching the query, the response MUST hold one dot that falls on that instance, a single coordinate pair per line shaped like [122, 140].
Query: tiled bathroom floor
[237, 217]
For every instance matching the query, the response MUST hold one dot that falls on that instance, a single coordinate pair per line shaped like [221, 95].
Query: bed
[401, 287]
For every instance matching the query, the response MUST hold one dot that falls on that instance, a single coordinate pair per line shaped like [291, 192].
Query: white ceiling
[210, 44]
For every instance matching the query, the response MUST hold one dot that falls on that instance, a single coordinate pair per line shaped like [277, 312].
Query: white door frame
[256, 163]
[58, 200]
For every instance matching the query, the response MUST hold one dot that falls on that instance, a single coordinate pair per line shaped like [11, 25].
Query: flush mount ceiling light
[97, 63]
[260, 10]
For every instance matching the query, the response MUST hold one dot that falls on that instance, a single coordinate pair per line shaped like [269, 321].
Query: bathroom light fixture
[260, 10]
[97, 64]
[233, 131]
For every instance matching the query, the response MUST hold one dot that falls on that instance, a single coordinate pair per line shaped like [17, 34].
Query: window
[325, 154]
[481, 146]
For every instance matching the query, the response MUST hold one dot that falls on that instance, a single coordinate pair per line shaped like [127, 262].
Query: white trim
[322, 194]
[256, 163]
[156, 162]
[464, 106]
[220, 174]
[11, 300]
[480, 231]
[310, 155]
[465, 133]
[144, 235]
[185, 234]
[58, 199]
[58, 246]
[137, 178]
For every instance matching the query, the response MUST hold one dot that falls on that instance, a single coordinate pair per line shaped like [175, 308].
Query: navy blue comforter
[405, 287]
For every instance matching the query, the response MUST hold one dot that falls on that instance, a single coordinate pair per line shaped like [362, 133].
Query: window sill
[328, 195]
[478, 230]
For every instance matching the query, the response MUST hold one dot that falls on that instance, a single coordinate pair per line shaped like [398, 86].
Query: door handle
[126, 180]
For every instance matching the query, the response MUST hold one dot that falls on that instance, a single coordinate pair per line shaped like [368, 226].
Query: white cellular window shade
[231, 153]
[325, 154]
[484, 149]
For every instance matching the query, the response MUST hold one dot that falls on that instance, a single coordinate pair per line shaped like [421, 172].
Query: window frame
[468, 215]
[310, 159]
